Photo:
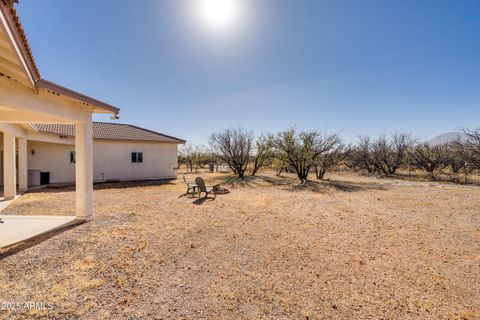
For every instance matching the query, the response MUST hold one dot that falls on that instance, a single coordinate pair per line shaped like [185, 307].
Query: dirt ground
[349, 248]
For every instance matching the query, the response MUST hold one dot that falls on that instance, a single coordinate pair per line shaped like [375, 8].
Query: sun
[221, 16]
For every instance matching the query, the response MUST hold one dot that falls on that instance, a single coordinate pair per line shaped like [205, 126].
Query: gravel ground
[350, 248]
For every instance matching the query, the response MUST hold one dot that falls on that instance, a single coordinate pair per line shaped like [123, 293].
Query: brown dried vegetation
[348, 248]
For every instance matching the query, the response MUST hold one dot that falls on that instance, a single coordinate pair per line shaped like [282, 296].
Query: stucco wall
[111, 160]
[53, 158]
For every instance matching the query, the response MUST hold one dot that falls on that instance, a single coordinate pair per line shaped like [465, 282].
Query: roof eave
[21, 45]
[48, 85]
[19, 39]
[141, 140]
[180, 141]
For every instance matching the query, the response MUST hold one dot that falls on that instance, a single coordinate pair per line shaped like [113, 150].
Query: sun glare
[220, 16]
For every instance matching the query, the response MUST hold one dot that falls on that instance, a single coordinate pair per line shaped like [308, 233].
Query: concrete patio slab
[6, 203]
[15, 229]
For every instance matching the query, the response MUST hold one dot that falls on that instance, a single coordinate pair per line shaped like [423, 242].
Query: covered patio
[21, 228]
[26, 98]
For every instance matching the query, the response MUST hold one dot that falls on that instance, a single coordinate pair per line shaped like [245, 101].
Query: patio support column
[22, 164]
[84, 170]
[9, 167]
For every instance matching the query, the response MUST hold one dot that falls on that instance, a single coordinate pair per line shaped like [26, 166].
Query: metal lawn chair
[205, 189]
[190, 186]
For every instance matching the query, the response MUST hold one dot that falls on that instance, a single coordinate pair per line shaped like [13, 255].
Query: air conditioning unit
[33, 178]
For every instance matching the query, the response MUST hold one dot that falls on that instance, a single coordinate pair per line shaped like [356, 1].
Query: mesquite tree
[234, 147]
[330, 159]
[279, 166]
[360, 157]
[301, 149]
[387, 155]
[456, 156]
[432, 159]
[263, 153]
[473, 148]
[188, 155]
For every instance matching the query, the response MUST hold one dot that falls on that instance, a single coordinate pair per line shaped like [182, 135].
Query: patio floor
[15, 229]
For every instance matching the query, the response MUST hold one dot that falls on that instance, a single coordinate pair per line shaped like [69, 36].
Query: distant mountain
[447, 137]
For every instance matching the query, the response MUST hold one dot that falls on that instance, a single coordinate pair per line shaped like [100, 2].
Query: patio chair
[205, 189]
[190, 186]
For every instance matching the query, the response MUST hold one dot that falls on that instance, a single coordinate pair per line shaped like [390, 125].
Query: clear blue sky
[359, 67]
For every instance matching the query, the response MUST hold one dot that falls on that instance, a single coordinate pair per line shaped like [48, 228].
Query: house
[47, 135]
[120, 152]
[26, 98]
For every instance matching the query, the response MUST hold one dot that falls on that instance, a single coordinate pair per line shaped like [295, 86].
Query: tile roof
[14, 24]
[22, 37]
[110, 131]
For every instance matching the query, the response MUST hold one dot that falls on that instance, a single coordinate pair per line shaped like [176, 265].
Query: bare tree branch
[234, 147]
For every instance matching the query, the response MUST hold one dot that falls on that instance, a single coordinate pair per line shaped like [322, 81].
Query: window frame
[136, 157]
[73, 157]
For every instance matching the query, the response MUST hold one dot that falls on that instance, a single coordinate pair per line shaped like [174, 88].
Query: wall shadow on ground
[106, 185]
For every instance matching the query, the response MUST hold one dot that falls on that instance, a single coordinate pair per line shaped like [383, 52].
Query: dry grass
[350, 248]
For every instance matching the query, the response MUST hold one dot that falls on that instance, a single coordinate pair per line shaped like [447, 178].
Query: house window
[137, 157]
[73, 159]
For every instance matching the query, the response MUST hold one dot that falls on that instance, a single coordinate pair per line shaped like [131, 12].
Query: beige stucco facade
[111, 160]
